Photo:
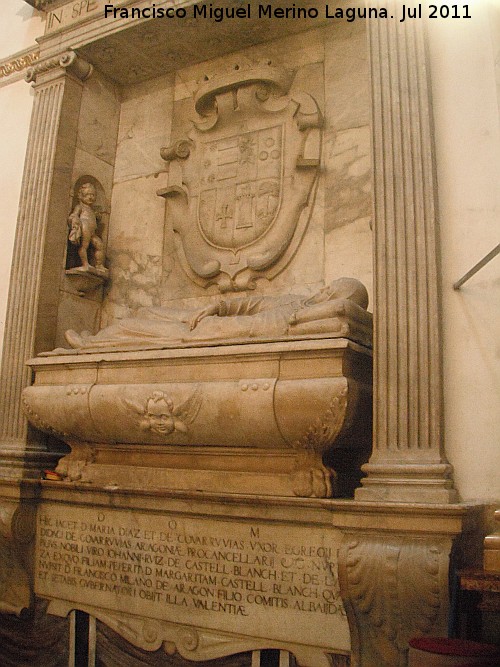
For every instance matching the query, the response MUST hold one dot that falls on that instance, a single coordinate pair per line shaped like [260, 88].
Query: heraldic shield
[242, 183]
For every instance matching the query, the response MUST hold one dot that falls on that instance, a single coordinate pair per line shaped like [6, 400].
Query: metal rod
[72, 641]
[92, 641]
[476, 268]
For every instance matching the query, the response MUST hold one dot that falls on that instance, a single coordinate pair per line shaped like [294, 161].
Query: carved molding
[41, 5]
[192, 643]
[394, 588]
[68, 60]
[18, 64]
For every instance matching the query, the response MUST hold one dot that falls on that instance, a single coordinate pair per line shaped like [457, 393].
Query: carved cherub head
[87, 194]
[159, 414]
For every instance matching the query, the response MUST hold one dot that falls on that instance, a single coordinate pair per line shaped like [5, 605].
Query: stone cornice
[349, 516]
[42, 5]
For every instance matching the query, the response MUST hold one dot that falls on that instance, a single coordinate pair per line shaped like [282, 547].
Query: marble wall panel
[134, 284]
[88, 164]
[310, 77]
[76, 313]
[348, 205]
[347, 77]
[137, 215]
[348, 252]
[135, 246]
[348, 176]
[145, 124]
[305, 272]
[95, 115]
[99, 115]
[95, 155]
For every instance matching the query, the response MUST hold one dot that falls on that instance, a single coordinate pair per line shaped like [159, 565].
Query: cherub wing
[136, 407]
[187, 411]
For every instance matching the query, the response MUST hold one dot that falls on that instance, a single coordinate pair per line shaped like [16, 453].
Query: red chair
[444, 652]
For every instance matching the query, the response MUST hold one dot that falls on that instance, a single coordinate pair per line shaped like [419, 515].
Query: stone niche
[216, 390]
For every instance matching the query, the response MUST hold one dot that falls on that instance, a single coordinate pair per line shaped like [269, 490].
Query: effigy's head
[342, 288]
[87, 193]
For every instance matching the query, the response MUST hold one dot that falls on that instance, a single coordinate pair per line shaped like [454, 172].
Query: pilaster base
[21, 461]
[408, 483]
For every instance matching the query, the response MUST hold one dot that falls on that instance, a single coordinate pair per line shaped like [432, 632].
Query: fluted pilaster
[38, 252]
[408, 462]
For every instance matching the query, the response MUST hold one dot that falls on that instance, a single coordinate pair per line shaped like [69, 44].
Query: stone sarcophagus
[277, 418]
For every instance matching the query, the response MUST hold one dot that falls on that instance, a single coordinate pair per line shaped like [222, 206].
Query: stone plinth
[492, 548]
[209, 575]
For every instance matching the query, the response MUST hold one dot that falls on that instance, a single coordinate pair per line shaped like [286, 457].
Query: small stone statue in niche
[83, 229]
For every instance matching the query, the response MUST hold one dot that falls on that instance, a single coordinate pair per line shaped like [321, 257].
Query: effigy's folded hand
[199, 315]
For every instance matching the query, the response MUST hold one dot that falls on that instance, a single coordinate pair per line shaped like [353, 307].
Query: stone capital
[67, 61]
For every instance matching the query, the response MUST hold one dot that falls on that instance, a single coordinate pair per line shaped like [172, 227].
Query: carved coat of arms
[241, 183]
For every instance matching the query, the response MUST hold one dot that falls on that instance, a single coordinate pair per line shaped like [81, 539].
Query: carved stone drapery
[38, 251]
[408, 462]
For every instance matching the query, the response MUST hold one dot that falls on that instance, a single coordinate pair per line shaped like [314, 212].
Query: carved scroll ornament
[67, 60]
[240, 183]
[394, 588]
[190, 642]
[16, 534]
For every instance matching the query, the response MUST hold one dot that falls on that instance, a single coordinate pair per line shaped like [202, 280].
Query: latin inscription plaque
[270, 580]
[75, 11]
